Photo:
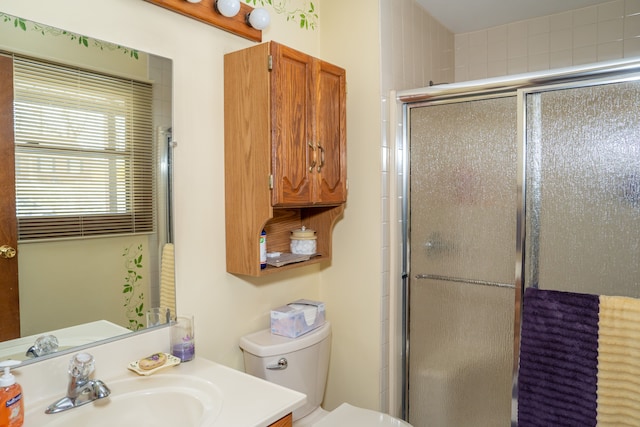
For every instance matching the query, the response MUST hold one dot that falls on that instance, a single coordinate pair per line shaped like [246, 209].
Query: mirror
[86, 289]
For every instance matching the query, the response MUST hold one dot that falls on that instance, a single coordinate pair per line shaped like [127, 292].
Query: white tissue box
[297, 318]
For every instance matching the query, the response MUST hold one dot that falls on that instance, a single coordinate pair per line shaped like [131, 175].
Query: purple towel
[557, 380]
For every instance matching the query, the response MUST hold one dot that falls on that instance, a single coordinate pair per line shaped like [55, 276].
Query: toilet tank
[307, 362]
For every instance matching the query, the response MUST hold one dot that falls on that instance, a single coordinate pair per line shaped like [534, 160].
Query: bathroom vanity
[207, 394]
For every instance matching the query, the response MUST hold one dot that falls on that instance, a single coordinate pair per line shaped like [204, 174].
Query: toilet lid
[347, 415]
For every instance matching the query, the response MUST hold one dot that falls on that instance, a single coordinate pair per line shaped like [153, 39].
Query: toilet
[302, 364]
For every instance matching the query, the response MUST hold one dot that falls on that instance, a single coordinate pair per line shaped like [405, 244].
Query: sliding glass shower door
[533, 181]
[540, 187]
[463, 181]
[583, 188]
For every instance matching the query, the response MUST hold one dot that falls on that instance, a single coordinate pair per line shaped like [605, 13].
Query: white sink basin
[154, 401]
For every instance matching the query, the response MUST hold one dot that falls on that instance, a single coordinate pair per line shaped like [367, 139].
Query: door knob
[7, 252]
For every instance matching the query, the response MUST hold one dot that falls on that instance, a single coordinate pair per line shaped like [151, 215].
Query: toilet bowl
[302, 364]
[352, 416]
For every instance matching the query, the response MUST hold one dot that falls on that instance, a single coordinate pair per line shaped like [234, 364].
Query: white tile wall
[592, 34]
[415, 49]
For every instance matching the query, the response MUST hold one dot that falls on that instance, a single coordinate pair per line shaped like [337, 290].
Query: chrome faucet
[81, 389]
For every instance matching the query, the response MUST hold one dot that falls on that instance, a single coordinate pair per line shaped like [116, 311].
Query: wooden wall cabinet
[285, 152]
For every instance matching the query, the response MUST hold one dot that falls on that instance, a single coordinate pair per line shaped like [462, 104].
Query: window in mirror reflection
[83, 151]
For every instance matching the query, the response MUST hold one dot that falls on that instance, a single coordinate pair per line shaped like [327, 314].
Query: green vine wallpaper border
[306, 15]
[133, 295]
[45, 30]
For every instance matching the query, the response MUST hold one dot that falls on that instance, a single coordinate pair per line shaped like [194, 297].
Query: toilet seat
[347, 415]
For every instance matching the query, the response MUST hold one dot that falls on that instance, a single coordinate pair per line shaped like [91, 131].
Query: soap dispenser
[11, 403]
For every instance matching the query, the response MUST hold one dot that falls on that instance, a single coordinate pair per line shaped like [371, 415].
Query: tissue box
[297, 318]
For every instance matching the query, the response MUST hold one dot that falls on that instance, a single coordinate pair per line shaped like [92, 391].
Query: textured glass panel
[583, 186]
[461, 342]
[463, 182]
[463, 223]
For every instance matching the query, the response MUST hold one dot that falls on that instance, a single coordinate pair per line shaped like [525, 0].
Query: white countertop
[247, 401]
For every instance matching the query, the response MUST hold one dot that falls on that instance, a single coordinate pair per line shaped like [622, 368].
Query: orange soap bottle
[11, 402]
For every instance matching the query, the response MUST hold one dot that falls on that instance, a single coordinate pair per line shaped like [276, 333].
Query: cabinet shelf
[243, 253]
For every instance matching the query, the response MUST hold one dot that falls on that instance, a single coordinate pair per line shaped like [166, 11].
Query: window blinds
[84, 152]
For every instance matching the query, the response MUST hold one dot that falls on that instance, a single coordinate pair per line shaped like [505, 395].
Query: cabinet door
[292, 155]
[286, 421]
[329, 173]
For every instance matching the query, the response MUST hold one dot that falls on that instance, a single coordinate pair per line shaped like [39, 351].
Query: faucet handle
[45, 344]
[81, 365]
[100, 389]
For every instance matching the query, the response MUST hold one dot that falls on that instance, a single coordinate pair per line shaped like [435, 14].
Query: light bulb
[259, 18]
[228, 8]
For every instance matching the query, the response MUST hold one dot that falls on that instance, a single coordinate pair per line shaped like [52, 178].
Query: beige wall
[71, 282]
[351, 286]
[592, 34]
[226, 306]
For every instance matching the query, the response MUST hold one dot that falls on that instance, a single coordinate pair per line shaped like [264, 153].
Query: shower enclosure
[529, 181]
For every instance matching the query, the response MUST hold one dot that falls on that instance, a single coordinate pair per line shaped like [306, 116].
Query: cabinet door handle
[321, 149]
[313, 161]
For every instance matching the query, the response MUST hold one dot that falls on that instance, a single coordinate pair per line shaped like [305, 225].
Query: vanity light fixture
[258, 18]
[228, 8]
[228, 15]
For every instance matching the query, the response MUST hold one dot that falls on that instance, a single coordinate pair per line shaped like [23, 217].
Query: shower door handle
[437, 245]
[282, 364]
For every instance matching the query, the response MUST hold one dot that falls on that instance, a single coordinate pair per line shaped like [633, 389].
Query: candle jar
[303, 241]
[183, 339]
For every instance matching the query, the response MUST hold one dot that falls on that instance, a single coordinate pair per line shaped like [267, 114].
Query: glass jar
[303, 241]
